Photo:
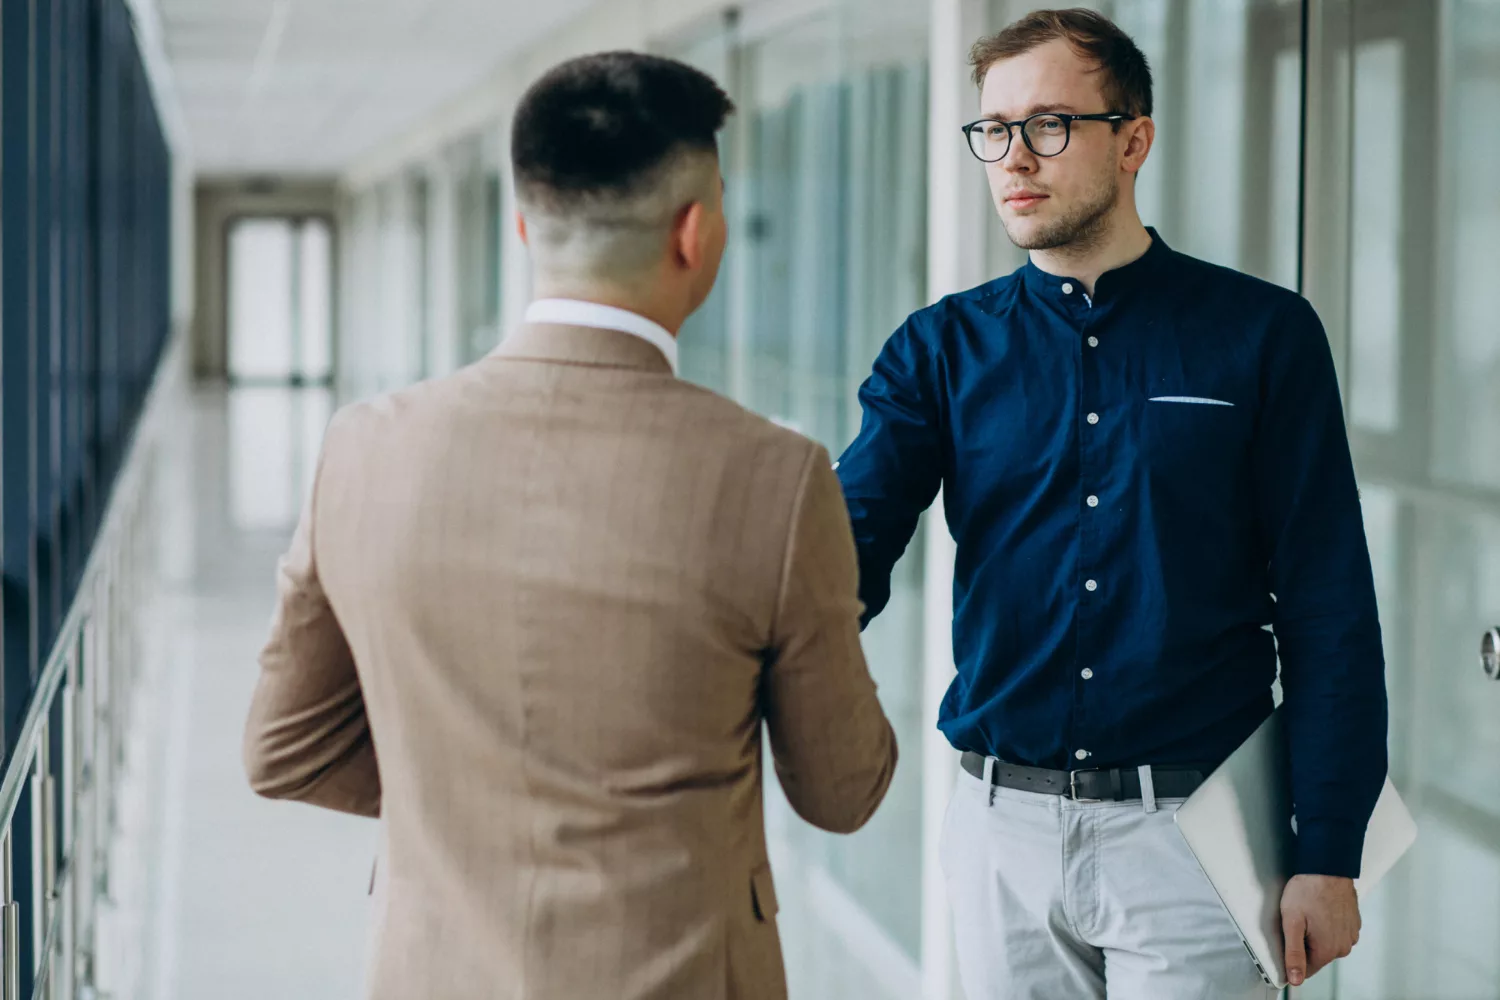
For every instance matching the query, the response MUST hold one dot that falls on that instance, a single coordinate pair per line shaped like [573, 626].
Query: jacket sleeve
[892, 471]
[307, 737]
[834, 749]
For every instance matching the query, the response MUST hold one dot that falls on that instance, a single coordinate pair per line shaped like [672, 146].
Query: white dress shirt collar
[575, 312]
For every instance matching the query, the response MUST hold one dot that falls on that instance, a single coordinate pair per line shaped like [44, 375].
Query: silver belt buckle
[1073, 788]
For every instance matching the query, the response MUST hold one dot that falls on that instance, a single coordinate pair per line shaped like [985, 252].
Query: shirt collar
[576, 312]
[1110, 283]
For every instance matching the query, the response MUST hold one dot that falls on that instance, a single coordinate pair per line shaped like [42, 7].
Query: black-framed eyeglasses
[1045, 134]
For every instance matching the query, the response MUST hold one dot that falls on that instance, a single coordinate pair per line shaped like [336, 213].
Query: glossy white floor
[248, 899]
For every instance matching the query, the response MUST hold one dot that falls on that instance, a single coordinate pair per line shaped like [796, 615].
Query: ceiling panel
[310, 86]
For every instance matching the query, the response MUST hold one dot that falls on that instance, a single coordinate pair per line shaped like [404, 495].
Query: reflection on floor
[255, 899]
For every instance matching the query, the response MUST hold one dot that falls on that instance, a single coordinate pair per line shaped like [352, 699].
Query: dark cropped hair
[602, 124]
[1126, 76]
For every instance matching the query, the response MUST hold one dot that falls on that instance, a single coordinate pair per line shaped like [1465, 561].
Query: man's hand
[1320, 915]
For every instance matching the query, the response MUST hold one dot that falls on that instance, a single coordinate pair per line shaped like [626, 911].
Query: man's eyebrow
[1035, 109]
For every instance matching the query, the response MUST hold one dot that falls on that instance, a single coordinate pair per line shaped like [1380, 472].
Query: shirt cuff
[1329, 847]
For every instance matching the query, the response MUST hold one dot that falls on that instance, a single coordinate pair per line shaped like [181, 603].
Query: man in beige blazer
[536, 612]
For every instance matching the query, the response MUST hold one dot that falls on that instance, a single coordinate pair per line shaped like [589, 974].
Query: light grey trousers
[1061, 900]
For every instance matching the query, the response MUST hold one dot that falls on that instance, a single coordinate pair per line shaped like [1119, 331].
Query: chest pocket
[1197, 437]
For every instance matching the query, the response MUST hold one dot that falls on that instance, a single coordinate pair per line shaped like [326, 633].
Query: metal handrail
[94, 604]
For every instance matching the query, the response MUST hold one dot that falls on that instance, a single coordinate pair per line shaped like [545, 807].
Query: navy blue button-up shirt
[1139, 486]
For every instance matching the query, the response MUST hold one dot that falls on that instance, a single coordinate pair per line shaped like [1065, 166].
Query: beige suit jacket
[534, 618]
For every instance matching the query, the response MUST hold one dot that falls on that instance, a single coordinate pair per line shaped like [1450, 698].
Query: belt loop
[990, 765]
[1148, 788]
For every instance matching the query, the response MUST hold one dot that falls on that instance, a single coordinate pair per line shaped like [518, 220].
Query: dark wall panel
[84, 302]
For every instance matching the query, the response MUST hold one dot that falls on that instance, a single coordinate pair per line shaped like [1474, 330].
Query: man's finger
[1294, 925]
[1324, 947]
[1319, 954]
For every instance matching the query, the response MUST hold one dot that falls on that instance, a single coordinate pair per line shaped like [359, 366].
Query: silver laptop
[1239, 826]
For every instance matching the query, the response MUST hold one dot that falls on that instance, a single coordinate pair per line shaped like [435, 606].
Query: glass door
[280, 304]
[280, 323]
[1403, 238]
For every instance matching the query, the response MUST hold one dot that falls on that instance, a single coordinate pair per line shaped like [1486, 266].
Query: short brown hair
[1126, 84]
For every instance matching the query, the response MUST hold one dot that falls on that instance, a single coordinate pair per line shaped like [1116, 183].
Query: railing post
[67, 964]
[10, 927]
[46, 839]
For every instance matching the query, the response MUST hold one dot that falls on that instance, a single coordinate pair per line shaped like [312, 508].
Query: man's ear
[521, 228]
[1138, 147]
[687, 236]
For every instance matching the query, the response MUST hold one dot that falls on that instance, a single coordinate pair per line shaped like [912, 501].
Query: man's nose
[1019, 159]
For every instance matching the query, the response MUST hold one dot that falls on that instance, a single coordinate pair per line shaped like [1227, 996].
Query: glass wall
[1403, 239]
[706, 356]
[84, 298]
[825, 167]
[85, 316]
[1222, 181]
[476, 207]
[1466, 361]
[423, 269]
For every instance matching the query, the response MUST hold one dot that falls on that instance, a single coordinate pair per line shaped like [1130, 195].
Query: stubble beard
[1080, 231]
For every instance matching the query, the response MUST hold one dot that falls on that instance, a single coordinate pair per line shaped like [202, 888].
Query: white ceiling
[309, 86]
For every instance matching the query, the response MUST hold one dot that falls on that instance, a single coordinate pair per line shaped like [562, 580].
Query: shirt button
[1093, 418]
[1093, 501]
[1067, 288]
[1088, 674]
[1093, 341]
[1091, 586]
[1082, 755]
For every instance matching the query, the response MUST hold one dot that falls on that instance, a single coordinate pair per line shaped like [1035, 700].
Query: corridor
[223, 219]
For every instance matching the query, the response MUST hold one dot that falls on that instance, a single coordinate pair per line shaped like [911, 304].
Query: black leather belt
[1174, 781]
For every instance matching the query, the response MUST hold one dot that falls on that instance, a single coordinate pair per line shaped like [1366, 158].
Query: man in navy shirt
[1145, 468]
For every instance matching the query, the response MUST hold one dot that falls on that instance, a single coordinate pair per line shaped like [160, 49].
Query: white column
[955, 216]
[939, 761]
[954, 262]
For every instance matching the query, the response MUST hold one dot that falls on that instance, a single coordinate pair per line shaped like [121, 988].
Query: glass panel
[419, 336]
[1375, 294]
[1221, 182]
[827, 174]
[791, 231]
[359, 317]
[1286, 146]
[1424, 357]
[493, 230]
[260, 299]
[1466, 403]
[1429, 929]
[314, 306]
[477, 207]
[703, 341]
[389, 351]
[1461, 740]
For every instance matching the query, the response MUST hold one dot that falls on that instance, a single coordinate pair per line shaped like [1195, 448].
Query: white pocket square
[1195, 400]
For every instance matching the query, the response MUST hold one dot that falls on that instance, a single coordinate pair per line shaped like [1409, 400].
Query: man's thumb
[1295, 926]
